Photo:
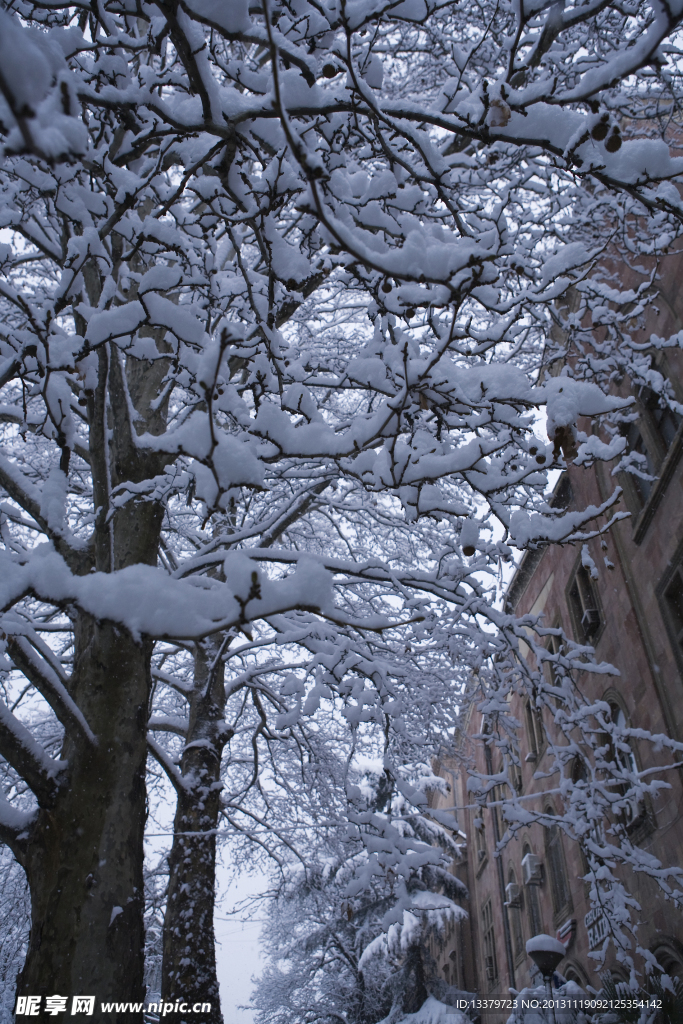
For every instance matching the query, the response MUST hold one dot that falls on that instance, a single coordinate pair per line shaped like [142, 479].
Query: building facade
[633, 616]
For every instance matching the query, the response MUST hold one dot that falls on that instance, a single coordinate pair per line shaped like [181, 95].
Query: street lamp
[546, 952]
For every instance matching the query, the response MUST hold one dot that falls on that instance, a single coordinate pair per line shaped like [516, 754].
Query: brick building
[633, 616]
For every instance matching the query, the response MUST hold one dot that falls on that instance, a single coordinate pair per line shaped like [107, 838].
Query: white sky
[238, 950]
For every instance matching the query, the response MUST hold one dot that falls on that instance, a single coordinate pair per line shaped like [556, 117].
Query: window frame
[663, 456]
[533, 903]
[488, 934]
[581, 596]
[643, 823]
[537, 741]
[515, 920]
[673, 572]
[558, 876]
[480, 840]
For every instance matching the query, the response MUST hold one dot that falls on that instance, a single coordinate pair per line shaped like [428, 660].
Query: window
[515, 918]
[532, 903]
[584, 605]
[554, 646]
[669, 955]
[626, 760]
[497, 797]
[516, 777]
[562, 496]
[639, 473]
[451, 970]
[557, 870]
[488, 931]
[553, 673]
[651, 437]
[579, 772]
[480, 838]
[673, 600]
[535, 731]
[631, 811]
[573, 972]
[662, 421]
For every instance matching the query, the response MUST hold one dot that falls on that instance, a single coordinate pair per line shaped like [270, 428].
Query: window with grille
[584, 605]
[488, 931]
[554, 854]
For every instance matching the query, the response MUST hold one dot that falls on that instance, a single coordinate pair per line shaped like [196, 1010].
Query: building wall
[638, 634]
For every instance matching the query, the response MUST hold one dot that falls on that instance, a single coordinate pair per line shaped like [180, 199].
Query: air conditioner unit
[513, 894]
[590, 621]
[532, 869]
[490, 969]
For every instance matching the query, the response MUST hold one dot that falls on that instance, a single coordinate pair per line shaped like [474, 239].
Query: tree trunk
[189, 957]
[85, 857]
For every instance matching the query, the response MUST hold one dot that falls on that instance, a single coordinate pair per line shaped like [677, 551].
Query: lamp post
[546, 952]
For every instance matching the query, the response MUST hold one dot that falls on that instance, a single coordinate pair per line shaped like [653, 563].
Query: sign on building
[596, 926]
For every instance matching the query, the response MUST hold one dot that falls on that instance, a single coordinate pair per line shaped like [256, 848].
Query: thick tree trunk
[84, 860]
[189, 958]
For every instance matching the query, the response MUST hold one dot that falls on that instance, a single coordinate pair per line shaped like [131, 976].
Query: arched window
[515, 917]
[554, 855]
[669, 954]
[532, 902]
[535, 732]
[573, 972]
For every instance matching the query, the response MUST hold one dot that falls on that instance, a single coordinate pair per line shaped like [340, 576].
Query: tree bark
[189, 955]
[84, 856]
[84, 859]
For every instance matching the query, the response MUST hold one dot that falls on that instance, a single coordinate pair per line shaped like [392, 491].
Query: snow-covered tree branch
[277, 285]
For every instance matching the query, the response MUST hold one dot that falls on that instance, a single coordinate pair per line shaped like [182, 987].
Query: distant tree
[366, 957]
[15, 911]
